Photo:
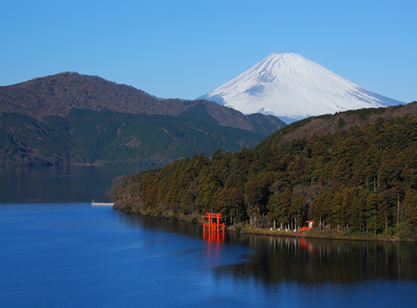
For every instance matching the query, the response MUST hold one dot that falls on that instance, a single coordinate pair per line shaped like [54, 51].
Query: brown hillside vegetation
[330, 124]
[56, 95]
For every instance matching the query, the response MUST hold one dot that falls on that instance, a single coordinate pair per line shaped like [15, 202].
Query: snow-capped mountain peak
[291, 87]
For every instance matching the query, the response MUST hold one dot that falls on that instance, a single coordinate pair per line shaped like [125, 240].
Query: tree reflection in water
[315, 261]
[300, 260]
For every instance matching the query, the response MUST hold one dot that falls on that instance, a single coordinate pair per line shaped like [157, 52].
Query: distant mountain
[109, 137]
[77, 119]
[292, 88]
[55, 95]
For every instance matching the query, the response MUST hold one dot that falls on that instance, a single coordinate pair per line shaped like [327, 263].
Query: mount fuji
[292, 88]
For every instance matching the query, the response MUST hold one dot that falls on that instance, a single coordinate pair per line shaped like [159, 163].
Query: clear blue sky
[184, 49]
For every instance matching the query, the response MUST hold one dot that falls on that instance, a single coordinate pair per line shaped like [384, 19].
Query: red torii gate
[213, 227]
[309, 225]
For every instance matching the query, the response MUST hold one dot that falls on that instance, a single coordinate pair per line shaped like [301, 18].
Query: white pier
[93, 203]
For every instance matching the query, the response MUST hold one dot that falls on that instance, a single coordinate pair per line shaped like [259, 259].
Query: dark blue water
[58, 184]
[69, 254]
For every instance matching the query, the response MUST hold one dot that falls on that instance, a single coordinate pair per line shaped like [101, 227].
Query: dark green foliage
[265, 125]
[361, 179]
[87, 136]
[341, 123]
[199, 112]
[28, 135]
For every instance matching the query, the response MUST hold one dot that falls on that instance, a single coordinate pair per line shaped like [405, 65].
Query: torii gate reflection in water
[214, 228]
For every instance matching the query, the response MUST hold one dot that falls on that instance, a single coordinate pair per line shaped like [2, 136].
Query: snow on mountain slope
[291, 87]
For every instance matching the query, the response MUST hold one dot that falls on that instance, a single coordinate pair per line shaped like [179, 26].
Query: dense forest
[109, 137]
[360, 177]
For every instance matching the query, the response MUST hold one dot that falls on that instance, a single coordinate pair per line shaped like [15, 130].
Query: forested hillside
[108, 137]
[61, 119]
[357, 171]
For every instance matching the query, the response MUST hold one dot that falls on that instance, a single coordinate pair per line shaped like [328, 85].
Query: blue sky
[184, 49]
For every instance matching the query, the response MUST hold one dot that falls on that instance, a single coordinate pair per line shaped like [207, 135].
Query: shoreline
[247, 229]
[323, 234]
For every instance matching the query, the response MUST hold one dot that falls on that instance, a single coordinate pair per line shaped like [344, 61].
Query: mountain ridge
[55, 95]
[68, 119]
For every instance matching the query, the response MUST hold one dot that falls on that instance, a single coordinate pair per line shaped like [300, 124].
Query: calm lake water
[58, 251]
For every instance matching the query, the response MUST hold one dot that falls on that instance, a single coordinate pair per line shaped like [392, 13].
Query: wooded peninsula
[353, 173]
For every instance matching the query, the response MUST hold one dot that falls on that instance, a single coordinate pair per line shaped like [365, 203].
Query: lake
[59, 251]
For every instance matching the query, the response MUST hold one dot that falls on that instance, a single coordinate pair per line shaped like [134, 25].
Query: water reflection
[314, 261]
[138, 221]
[63, 184]
[213, 237]
[212, 243]
[301, 260]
